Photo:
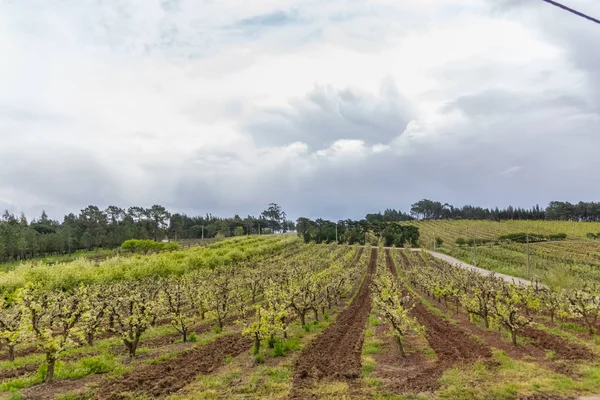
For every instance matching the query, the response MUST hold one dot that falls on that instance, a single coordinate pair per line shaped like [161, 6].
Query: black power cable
[554, 3]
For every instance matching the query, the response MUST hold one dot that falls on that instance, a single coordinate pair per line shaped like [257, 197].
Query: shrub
[98, 364]
[282, 347]
[148, 246]
[558, 236]
[522, 237]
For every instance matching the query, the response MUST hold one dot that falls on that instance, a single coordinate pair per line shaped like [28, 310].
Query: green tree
[52, 317]
[160, 218]
[394, 308]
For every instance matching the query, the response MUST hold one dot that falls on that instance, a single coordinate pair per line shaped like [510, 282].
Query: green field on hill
[552, 261]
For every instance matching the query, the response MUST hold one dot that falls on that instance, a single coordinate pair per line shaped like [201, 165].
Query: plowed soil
[163, 378]
[337, 352]
[395, 371]
[451, 344]
[50, 391]
[563, 348]
[14, 372]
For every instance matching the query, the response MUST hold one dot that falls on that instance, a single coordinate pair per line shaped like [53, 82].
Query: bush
[98, 364]
[219, 236]
[439, 242]
[558, 236]
[522, 237]
[282, 347]
[193, 337]
[148, 246]
[478, 241]
[461, 241]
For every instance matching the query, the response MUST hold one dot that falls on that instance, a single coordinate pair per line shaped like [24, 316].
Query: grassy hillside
[562, 262]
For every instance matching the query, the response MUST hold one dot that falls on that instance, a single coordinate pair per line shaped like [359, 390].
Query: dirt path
[451, 344]
[163, 378]
[458, 263]
[337, 352]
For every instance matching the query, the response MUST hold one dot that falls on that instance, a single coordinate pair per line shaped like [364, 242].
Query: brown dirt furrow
[161, 379]
[336, 353]
[50, 391]
[15, 372]
[494, 339]
[563, 348]
[402, 374]
[451, 344]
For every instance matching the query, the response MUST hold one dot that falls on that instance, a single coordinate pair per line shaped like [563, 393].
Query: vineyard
[555, 262]
[271, 317]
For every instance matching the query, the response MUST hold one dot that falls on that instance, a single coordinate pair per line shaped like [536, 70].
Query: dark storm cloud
[327, 114]
[58, 181]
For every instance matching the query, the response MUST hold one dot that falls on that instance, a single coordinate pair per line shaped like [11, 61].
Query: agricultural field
[272, 318]
[562, 263]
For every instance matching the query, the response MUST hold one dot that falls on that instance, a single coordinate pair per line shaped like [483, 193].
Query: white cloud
[224, 106]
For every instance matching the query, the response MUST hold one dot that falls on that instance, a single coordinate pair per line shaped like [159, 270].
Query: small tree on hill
[11, 333]
[52, 317]
[133, 309]
[509, 309]
[395, 308]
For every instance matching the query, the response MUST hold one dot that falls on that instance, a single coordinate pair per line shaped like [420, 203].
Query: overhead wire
[573, 11]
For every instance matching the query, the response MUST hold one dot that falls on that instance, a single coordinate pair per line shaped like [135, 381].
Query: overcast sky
[330, 108]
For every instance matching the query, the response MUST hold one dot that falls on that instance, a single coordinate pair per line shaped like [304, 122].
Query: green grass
[513, 378]
[284, 346]
[85, 366]
[219, 381]
[75, 396]
[428, 352]
[16, 396]
[574, 327]
[373, 382]
[22, 361]
[374, 321]
[279, 374]
[372, 346]
[21, 382]
[390, 396]
[368, 366]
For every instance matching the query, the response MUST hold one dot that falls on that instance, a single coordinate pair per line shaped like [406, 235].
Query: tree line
[357, 232]
[95, 228]
[556, 211]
